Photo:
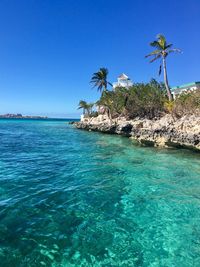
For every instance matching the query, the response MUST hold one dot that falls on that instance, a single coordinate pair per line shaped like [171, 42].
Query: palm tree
[106, 102]
[87, 107]
[163, 49]
[83, 105]
[99, 79]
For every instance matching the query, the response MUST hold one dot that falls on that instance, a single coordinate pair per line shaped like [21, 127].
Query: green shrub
[169, 106]
[140, 100]
[146, 100]
[187, 104]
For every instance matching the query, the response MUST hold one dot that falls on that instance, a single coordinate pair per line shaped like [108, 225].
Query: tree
[163, 49]
[145, 100]
[89, 108]
[106, 101]
[119, 100]
[85, 106]
[99, 79]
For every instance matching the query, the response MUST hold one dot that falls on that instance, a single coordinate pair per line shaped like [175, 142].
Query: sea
[71, 198]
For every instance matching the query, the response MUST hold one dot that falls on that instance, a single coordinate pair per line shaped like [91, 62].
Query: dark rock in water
[125, 129]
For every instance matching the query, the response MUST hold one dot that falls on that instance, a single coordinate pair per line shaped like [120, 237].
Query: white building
[123, 81]
[82, 117]
[189, 87]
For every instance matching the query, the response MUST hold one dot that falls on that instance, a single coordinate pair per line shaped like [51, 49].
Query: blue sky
[49, 49]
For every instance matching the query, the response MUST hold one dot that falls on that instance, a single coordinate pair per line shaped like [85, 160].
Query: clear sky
[49, 49]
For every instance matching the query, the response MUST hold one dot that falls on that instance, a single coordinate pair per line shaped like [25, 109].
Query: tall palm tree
[99, 79]
[163, 49]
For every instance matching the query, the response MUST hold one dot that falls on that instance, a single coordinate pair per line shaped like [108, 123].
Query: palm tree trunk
[108, 113]
[166, 80]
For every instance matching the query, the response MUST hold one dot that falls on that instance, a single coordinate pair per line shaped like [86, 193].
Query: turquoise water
[75, 198]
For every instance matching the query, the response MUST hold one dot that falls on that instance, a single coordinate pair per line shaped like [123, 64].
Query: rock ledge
[162, 132]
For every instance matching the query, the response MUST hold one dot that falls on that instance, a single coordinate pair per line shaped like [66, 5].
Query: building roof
[187, 85]
[123, 77]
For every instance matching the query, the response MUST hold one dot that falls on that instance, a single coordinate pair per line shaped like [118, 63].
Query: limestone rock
[163, 132]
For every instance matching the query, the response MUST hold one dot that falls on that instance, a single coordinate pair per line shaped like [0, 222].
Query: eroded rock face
[163, 132]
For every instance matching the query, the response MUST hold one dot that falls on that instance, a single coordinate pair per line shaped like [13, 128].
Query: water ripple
[73, 198]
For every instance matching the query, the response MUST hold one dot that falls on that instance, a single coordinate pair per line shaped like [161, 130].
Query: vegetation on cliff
[144, 100]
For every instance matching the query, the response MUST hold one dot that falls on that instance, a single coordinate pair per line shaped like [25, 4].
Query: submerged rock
[162, 132]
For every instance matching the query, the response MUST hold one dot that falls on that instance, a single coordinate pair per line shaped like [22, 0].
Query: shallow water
[75, 198]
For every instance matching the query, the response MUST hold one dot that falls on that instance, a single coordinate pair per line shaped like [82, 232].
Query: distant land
[20, 116]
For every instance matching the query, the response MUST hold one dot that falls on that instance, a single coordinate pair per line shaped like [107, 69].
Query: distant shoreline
[20, 116]
[38, 118]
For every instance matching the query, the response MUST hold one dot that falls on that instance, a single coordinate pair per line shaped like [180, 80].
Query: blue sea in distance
[74, 198]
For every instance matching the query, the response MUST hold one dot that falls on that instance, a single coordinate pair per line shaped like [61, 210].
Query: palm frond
[161, 36]
[99, 79]
[161, 40]
[176, 50]
[168, 46]
[82, 105]
[155, 52]
[156, 44]
[155, 58]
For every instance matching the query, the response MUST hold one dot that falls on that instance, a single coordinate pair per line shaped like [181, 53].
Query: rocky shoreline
[159, 132]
